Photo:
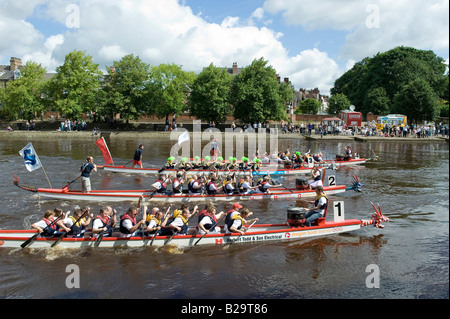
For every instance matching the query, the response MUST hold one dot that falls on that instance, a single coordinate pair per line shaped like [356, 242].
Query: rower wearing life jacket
[194, 186]
[47, 226]
[180, 223]
[161, 184]
[79, 224]
[232, 212]
[177, 184]
[206, 164]
[297, 159]
[245, 186]
[128, 224]
[154, 221]
[232, 163]
[237, 222]
[184, 165]
[211, 186]
[228, 185]
[320, 206]
[169, 165]
[207, 220]
[265, 185]
[196, 164]
[105, 222]
[244, 164]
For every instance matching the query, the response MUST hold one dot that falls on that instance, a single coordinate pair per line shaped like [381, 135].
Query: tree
[391, 71]
[377, 102]
[308, 106]
[210, 96]
[124, 90]
[418, 101]
[337, 103]
[167, 89]
[23, 96]
[257, 96]
[74, 89]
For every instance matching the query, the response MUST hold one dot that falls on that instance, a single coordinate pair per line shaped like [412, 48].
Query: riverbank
[152, 134]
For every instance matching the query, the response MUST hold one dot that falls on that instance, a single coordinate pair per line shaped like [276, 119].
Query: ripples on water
[410, 182]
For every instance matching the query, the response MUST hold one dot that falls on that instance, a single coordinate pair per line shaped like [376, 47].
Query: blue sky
[312, 42]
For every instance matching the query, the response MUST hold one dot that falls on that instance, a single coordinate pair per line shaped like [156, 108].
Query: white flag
[183, 137]
[30, 157]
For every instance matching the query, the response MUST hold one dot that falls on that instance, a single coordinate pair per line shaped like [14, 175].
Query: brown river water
[410, 182]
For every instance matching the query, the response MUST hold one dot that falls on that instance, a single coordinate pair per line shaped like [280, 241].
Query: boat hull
[133, 195]
[256, 234]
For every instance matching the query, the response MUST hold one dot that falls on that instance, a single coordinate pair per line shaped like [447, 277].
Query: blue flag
[30, 157]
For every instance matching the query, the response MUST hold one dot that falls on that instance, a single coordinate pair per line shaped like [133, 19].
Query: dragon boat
[259, 172]
[293, 229]
[133, 195]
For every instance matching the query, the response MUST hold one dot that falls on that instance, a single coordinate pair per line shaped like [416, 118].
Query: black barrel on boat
[296, 216]
[301, 183]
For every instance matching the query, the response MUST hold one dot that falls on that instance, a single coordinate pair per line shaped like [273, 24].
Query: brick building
[10, 72]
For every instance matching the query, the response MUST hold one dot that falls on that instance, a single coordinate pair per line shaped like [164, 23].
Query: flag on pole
[30, 157]
[105, 151]
[183, 137]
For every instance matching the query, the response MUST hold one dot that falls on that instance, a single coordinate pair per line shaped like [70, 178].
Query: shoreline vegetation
[23, 134]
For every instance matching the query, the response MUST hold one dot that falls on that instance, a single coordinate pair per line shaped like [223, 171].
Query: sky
[311, 42]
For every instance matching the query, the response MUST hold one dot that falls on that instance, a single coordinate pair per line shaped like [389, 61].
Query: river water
[410, 182]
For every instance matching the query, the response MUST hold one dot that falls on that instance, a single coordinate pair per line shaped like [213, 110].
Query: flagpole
[46, 175]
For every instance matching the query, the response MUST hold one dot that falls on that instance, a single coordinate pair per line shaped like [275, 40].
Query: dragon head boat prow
[377, 218]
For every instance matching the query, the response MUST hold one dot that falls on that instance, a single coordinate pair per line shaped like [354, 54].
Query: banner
[105, 151]
[30, 157]
[183, 137]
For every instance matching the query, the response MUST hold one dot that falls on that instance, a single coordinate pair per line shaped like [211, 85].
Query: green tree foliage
[418, 101]
[124, 88]
[337, 103]
[377, 101]
[210, 96]
[308, 106]
[257, 96]
[167, 89]
[75, 87]
[23, 96]
[391, 71]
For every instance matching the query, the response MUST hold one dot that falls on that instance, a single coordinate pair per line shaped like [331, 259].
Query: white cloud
[169, 32]
[372, 26]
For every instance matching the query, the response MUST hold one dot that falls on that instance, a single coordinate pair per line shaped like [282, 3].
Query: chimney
[278, 78]
[234, 68]
[15, 63]
[286, 80]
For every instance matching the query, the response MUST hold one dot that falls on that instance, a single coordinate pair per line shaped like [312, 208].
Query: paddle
[157, 232]
[33, 238]
[227, 246]
[174, 233]
[214, 225]
[71, 182]
[71, 227]
[127, 163]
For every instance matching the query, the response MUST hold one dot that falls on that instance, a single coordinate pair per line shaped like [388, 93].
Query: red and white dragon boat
[291, 230]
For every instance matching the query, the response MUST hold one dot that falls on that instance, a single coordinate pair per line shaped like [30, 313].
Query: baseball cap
[237, 205]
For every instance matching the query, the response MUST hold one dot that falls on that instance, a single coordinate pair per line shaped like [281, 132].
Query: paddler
[161, 184]
[180, 223]
[196, 163]
[49, 225]
[104, 222]
[154, 221]
[320, 205]
[207, 220]
[169, 165]
[184, 165]
[237, 222]
[79, 224]
[128, 224]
